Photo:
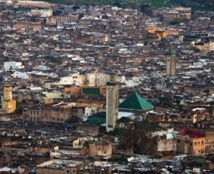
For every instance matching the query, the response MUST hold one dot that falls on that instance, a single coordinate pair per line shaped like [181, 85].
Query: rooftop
[59, 163]
[136, 103]
[191, 133]
[91, 91]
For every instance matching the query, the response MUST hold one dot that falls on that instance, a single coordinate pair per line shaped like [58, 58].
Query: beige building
[206, 44]
[165, 140]
[94, 148]
[163, 32]
[209, 137]
[38, 4]
[101, 148]
[35, 26]
[112, 101]
[42, 13]
[56, 113]
[59, 167]
[191, 142]
[91, 130]
[8, 104]
[52, 20]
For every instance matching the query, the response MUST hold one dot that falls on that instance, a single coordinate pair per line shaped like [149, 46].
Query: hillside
[202, 5]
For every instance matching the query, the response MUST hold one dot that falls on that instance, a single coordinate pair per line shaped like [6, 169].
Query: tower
[170, 63]
[8, 104]
[112, 101]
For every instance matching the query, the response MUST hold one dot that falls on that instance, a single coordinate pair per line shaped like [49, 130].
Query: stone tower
[170, 63]
[112, 101]
[8, 104]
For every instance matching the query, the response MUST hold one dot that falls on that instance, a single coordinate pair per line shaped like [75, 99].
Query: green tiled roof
[136, 103]
[97, 119]
[170, 52]
[91, 91]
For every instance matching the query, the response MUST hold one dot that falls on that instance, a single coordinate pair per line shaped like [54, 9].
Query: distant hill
[202, 5]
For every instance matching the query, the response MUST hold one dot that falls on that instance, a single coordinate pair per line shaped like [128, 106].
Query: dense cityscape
[106, 88]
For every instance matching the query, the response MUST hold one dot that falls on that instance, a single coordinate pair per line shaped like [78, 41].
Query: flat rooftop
[58, 163]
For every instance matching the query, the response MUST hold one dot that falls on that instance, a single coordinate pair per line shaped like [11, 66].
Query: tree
[139, 138]
[117, 4]
[75, 7]
[143, 7]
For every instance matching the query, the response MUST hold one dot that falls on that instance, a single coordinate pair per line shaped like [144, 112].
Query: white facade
[42, 13]
[76, 79]
[93, 79]
[12, 65]
[97, 79]
[43, 68]
[166, 140]
[100, 79]
[89, 111]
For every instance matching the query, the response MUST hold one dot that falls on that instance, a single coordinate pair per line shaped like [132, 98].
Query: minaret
[8, 93]
[8, 104]
[170, 63]
[112, 101]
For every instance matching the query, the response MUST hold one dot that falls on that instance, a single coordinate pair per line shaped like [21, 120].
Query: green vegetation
[137, 136]
[177, 21]
[54, 59]
[18, 111]
[118, 159]
[115, 132]
[196, 5]
[23, 9]
[73, 120]
[97, 119]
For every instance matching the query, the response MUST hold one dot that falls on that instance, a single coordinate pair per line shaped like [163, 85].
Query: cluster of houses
[58, 97]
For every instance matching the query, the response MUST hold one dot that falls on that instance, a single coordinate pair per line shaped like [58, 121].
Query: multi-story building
[42, 13]
[88, 79]
[205, 44]
[162, 32]
[53, 20]
[59, 166]
[55, 113]
[112, 101]
[8, 66]
[191, 142]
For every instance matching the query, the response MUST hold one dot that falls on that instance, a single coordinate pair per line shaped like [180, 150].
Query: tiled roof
[97, 119]
[135, 102]
[91, 91]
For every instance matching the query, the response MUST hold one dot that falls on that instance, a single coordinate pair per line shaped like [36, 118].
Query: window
[67, 171]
